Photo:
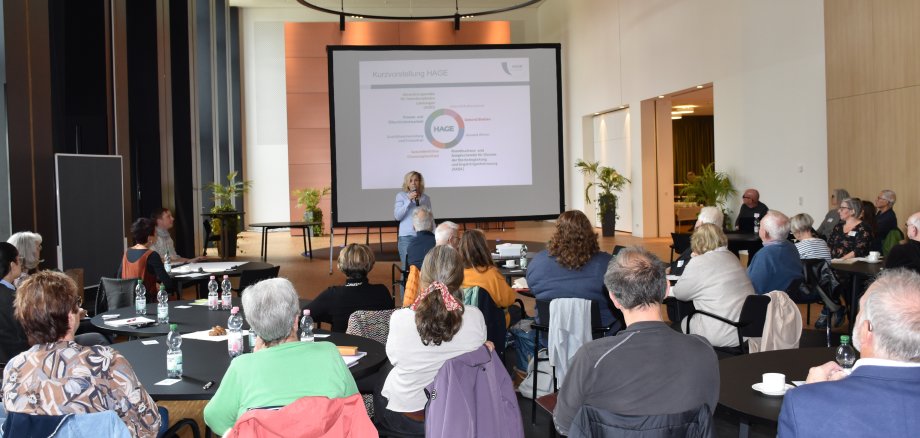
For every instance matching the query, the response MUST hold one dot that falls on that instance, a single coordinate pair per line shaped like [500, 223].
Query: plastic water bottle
[234, 334]
[140, 298]
[252, 338]
[213, 302]
[756, 223]
[846, 355]
[167, 264]
[174, 353]
[306, 327]
[226, 296]
[523, 256]
[162, 306]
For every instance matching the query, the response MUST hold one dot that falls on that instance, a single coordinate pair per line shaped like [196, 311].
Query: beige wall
[873, 98]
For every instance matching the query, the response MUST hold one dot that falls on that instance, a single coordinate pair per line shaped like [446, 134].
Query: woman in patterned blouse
[58, 376]
[850, 238]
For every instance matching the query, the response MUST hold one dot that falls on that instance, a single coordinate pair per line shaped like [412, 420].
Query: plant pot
[608, 224]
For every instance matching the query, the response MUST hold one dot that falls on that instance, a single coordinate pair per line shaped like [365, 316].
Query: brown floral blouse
[64, 377]
[858, 240]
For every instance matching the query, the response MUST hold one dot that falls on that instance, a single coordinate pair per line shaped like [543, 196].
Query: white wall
[265, 114]
[611, 148]
[766, 63]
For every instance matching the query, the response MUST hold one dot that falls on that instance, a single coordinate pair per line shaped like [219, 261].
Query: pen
[208, 385]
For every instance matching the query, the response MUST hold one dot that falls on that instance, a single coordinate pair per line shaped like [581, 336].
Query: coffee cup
[874, 256]
[773, 382]
[509, 263]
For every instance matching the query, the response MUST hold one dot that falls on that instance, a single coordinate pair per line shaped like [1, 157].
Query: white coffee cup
[874, 256]
[773, 382]
[509, 263]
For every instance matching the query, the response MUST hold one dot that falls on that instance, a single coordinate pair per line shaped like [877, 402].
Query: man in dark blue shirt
[777, 265]
[423, 222]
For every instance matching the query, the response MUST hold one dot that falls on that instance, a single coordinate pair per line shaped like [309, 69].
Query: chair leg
[533, 399]
[808, 314]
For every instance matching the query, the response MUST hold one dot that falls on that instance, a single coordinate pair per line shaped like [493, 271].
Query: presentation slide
[482, 124]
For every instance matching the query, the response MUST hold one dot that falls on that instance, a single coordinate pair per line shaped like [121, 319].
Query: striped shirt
[813, 248]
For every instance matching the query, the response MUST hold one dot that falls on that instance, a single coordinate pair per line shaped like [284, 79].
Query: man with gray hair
[886, 220]
[646, 369]
[446, 234]
[274, 374]
[907, 254]
[882, 392]
[423, 222]
[777, 265]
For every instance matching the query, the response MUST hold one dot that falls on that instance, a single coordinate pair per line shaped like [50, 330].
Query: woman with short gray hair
[29, 245]
[273, 375]
[809, 246]
[850, 238]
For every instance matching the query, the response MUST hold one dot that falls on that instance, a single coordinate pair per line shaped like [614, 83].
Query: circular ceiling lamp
[342, 13]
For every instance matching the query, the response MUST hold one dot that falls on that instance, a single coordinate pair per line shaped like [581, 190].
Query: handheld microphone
[415, 190]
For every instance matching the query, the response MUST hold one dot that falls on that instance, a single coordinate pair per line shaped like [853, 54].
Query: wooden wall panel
[306, 70]
[873, 90]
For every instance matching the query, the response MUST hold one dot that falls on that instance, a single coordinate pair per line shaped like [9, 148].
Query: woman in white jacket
[716, 282]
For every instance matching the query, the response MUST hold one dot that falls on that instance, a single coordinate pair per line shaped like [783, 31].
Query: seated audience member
[12, 338]
[141, 262]
[274, 374]
[716, 282]
[335, 304]
[29, 245]
[907, 254]
[850, 238]
[57, 376]
[883, 390]
[447, 233]
[646, 369]
[832, 218]
[708, 215]
[751, 210]
[479, 270]
[164, 244]
[437, 327]
[572, 265]
[777, 265]
[808, 245]
[886, 220]
[868, 218]
[423, 222]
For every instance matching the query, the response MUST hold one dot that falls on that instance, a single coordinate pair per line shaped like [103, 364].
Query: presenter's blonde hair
[421, 182]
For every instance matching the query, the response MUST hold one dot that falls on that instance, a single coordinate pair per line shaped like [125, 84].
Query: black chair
[398, 277]
[208, 236]
[114, 293]
[820, 285]
[496, 330]
[543, 306]
[253, 276]
[616, 249]
[749, 324]
[679, 243]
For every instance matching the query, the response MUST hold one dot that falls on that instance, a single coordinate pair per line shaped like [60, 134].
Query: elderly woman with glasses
[29, 245]
[850, 238]
[281, 369]
[58, 376]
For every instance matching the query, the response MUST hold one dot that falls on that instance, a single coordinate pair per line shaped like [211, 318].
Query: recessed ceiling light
[676, 117]
[699, 86]
[622, 106]
[661, 97]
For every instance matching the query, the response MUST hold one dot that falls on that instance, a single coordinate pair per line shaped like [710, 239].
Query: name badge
[680, 263]
[830, 220]
[851, 234]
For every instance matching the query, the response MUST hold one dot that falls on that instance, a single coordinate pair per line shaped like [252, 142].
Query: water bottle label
[225, 302]
[162, 313]
[306, 338]
[140, 307]
[235, 345]
[174, 364]
[212, 302]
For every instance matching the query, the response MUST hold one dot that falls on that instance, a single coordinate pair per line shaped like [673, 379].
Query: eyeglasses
[746, 197]
[843, 208]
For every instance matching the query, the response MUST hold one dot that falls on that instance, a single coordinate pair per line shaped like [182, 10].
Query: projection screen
[481, 123]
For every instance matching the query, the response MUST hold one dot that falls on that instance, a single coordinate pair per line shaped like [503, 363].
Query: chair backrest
[373, 324]
[105, 423]
[253, 276]
[597, 329]
[894, 237]
[115, 293]
[754, 315]
[496, 330]
[819, 275]
[680, 242]
[311, 416]
[616, 249]
[593, 422]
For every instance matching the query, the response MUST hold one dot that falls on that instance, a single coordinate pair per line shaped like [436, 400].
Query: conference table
[859, 272]
[737, 374]
[199, 273]
[207, 361]
[307, 240]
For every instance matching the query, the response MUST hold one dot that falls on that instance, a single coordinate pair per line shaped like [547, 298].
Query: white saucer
[759, 388]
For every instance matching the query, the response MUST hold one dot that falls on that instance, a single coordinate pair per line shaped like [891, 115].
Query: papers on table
[207, 267]
[182, 307]
[203, 336]
[167, 382]
[201, 302]
[138, 320]
[112, 316]
[350, 361]
[193, 275]
[519, 283]
[150, 342]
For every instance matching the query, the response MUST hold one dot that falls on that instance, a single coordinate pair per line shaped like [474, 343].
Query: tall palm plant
[608, 182]
[709, 188]
[223, 196]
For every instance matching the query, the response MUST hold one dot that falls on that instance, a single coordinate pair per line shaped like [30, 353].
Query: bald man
[751, 210]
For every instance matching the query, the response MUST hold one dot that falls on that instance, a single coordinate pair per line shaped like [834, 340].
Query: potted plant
[309, 198]
[710, 188]
[223, 196]
[608, 182]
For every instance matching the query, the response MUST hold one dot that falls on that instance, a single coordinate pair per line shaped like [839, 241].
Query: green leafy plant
[223, 196]
[607, 180]
[709, 188]
[309, 198]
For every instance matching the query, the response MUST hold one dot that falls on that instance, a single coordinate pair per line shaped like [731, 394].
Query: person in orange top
[479, 270]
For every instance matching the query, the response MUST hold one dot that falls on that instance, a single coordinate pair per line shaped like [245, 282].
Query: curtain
[693, 145]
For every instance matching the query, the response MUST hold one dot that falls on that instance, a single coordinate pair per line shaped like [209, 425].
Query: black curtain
[693, 145]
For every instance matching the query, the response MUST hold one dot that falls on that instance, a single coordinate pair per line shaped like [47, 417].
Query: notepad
[350, 361]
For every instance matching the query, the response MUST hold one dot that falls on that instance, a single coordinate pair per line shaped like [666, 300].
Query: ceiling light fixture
[699, 86]
[455, 16]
